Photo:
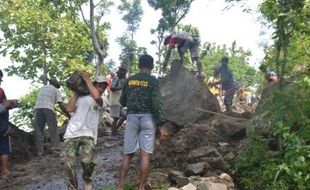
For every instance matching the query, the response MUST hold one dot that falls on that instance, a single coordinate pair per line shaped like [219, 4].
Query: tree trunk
[45, 68]
[95, 40]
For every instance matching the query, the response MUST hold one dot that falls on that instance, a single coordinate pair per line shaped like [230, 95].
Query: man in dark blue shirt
[227, 81]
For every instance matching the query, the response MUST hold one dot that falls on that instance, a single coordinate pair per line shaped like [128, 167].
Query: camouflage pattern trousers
[82, 148]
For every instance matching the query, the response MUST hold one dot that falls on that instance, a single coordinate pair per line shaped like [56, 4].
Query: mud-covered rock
[233, 128]
[195, 169]
[177, 178]
[182, 93]
[22, 144]
[173, 153]
[209, 155]
[76, 83]
[203, 151]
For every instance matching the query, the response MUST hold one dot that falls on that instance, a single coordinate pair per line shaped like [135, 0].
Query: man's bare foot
[5, 173]
[87, 186]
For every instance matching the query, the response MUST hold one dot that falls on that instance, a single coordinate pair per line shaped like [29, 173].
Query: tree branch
[94, 36]
[84, 19]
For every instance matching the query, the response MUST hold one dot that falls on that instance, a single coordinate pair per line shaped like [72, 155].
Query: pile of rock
[203, 161]
[220, 182]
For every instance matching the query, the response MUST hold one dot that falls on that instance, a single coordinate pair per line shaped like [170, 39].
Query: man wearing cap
[44, 113]
[116, 110]
[141, 96]
[227, 82]
[81, 133]
[271, 77]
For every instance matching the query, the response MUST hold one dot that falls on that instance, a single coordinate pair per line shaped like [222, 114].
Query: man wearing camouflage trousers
[81, 133]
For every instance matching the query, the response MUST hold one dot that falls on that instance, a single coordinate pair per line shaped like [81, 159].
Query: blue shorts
[5, 145]
[139, 133]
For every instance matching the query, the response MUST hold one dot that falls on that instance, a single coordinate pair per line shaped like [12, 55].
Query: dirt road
[46, 173]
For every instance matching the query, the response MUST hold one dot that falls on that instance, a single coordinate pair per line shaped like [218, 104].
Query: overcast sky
[214, 24]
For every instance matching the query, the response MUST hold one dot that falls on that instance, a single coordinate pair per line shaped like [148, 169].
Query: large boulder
[182, 93]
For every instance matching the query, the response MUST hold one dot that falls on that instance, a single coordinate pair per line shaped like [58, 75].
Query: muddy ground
[47, 173]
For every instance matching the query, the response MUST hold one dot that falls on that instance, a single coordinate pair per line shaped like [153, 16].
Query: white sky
[214, 24]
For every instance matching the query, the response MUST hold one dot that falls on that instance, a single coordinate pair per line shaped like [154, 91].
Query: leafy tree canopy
[173, 11]
[42, 38]
[245, 74]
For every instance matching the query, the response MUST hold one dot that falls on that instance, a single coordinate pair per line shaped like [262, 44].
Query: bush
[288, 167]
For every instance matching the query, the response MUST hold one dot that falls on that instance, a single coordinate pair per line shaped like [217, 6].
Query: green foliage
[288, 108]
[173, 11]
[128, 54]
[189, 28]
[255, 166]
[159, 43]
[245, 74]
[24, 115]
[290, 20]
[42, 38]
[288, 114]
[132, 14]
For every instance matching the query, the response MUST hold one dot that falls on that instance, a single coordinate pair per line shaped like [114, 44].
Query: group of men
[139, 94]
[185, 41]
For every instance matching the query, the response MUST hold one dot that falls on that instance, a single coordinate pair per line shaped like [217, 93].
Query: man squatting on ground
[184, 41]
[81, 133]
[116, 110]
[44, 113]
[141, 95]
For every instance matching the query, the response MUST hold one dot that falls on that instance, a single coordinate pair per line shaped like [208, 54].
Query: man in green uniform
[141, 96]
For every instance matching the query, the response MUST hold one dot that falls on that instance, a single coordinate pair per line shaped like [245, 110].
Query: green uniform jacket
[141, 94]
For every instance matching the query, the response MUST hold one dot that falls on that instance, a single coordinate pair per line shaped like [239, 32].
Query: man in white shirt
[116, 110]
[44, 113]
[81, 133]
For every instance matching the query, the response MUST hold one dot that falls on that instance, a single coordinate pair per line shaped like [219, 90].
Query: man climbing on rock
[81, 133]
[141, 95]
[44, 113]
[116, 110]
[184, 41]
[227, 82]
